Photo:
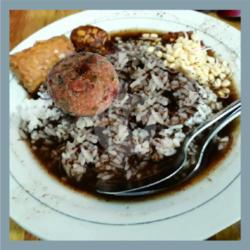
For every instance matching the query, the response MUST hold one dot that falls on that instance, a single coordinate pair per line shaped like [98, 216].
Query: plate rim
[68, 17]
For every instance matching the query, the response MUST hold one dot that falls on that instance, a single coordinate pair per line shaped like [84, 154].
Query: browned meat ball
[92, 39]
[83, 84]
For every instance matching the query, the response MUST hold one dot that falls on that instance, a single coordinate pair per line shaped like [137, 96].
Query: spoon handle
[236, 113]
[217, 117]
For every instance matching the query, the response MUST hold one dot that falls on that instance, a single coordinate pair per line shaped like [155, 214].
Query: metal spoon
[222, 118]
[166, 184]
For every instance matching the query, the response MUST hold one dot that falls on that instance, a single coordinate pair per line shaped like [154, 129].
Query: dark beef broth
[213, 158]
[88, 183]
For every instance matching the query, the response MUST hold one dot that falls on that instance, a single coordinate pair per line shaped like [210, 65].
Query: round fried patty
[83, 84]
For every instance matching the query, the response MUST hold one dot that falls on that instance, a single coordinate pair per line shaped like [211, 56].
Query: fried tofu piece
[32, 65]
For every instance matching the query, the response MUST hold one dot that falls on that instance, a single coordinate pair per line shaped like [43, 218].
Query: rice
[155, 109]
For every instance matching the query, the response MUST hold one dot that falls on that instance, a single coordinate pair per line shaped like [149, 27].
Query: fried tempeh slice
[32, 65]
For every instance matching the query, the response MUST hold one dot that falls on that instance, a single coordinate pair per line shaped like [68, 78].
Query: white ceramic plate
[51, 211]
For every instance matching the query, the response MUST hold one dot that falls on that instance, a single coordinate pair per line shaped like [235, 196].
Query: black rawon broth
[88, 183]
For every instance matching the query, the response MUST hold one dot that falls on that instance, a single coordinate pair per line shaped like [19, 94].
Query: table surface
[22, 24]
